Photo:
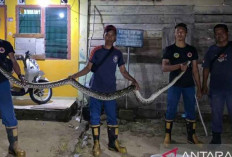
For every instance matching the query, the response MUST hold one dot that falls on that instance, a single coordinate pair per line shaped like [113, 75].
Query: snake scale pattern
[89, 92]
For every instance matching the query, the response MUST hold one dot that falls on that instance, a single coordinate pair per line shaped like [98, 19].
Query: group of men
[217, 62]
[103, 62]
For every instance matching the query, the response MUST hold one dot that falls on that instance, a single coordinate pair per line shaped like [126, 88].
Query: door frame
[5, 12]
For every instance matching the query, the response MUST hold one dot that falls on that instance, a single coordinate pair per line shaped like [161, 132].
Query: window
[50, 24]
[56, 33]
[29, 20]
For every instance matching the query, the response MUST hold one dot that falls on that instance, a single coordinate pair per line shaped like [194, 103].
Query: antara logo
[171, 153]
[207, 154]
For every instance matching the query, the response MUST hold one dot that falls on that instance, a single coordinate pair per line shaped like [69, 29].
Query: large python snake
[89, 92]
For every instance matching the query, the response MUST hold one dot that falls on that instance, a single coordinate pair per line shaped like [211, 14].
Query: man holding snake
[174, 61]
[103, 61]
[6, 105]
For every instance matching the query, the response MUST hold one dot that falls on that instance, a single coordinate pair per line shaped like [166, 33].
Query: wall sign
[129, 38]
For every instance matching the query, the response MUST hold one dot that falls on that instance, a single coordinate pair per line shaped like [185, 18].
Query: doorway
[2, 22]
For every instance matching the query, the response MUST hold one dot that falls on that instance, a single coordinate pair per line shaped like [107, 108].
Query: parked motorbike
[33, 75]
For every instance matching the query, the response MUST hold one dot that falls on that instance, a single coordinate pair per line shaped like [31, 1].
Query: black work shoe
[117, 148]
[17, 153]
[216, 138]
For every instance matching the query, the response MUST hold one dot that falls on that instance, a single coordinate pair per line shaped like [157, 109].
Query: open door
[2, 22]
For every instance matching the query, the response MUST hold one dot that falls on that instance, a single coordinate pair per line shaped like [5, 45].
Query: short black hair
[183, 25]
[110, 28]
[224, 26]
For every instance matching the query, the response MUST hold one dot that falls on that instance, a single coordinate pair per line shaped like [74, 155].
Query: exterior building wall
[54, 69]
[157, 18]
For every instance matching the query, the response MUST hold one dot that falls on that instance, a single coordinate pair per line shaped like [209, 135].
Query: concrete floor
[142, 137]
[54, 103]
[57, 109]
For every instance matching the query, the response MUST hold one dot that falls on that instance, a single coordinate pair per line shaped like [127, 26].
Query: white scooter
[33, 75]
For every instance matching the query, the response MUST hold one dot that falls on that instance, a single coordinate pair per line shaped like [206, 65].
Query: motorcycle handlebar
[21, 57]
[27, 54]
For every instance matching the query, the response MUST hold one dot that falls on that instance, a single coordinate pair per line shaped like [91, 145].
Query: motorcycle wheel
[40, 96]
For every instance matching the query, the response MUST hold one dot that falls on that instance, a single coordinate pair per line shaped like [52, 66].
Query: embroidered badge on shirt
[2, 50]
[189, 54]
[222, 57]
[115, 59]
[176, 55]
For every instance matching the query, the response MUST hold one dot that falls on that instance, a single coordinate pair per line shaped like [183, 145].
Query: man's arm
[15, 64]
[205, 79]
[196, 76]
[16, 67]
[83, 72]
[126, 75]
[167, 67]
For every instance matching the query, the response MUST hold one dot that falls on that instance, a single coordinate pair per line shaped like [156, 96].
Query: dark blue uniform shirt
[104, 79]
[5, 49]
[221, 68]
